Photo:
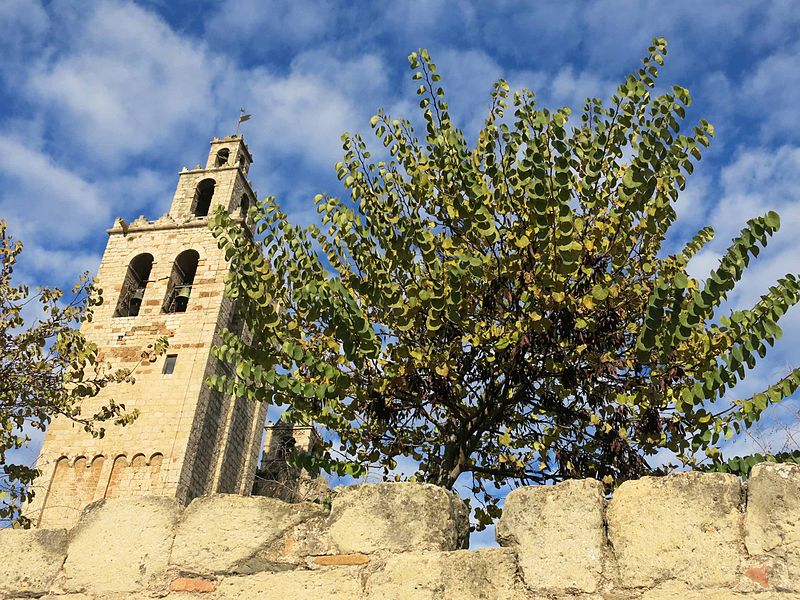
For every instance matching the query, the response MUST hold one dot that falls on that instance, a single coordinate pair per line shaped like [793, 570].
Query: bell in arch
[182, 298]
[135, 302]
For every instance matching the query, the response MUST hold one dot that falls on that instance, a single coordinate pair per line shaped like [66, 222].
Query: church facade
[162, 278]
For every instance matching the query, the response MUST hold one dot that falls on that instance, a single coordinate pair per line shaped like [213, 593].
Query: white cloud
[755, 181]
[703, 263]
[418, 19]
[571, 88]
[62, 266]
[304, 115]
[467, 78]
[44, 200]
[273, 22]
[27, 455]
[772, 88]
[108, 81]
[24, 24]
[361, 76]
[759, 180]
[779, 431]
[692, 207]
[139, 191]
[125, 83]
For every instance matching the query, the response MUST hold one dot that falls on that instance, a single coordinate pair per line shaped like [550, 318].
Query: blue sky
[103, 102]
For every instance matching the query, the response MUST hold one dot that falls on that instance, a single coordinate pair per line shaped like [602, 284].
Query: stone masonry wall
[685, 536]
[188, 440]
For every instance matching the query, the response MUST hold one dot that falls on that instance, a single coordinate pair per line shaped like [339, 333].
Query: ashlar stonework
[677, 537]
[558, 533]
[31, 559]
[772, 525]
[397, 517]
[488, 574]
[162, 278]
[685, 528]
[120, 545]
[246, 528]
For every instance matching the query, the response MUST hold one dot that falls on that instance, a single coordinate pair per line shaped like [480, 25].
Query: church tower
[162, 278]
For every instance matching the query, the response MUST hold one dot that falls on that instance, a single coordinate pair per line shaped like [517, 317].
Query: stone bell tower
[162, 277]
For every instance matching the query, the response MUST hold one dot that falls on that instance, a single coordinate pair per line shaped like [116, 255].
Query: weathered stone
[758, 575]
[309, 538]
[675, 538]
[120, 545]
[223, 533]
[108, 596]
[341, 560]
[684, 527]
[558, 533]
[31, 559]
[192, 584]
[397, 517]
[682, 592]
[344, 584]
[488, 574]
[772, 522]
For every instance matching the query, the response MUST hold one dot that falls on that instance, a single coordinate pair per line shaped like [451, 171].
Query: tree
[47, 368]
[505, 314]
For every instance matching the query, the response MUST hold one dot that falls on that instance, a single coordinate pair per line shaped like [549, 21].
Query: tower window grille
[134, 285]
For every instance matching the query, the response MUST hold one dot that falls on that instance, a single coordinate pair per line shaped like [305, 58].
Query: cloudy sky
[101, 103]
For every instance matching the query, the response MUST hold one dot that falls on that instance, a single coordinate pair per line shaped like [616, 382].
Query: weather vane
[242, 118]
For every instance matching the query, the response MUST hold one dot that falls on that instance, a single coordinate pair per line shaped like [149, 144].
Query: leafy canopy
[505, 310]
[47, 368]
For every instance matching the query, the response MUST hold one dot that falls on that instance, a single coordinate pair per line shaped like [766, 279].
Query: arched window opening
[243, 163]
[244, 206]
[181, 280]
[202, 197]
[136, 279]
[222, 157]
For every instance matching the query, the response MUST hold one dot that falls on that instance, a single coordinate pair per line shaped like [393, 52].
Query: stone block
[397, 517]
[120, 545]
[341, 560]
[192, 584]
[682, 592]
[31, 560]
[108, 596]
[558, 533]
[342, 583]
[487, 574]
[772, 523]
[223, 533]
[684, 527]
